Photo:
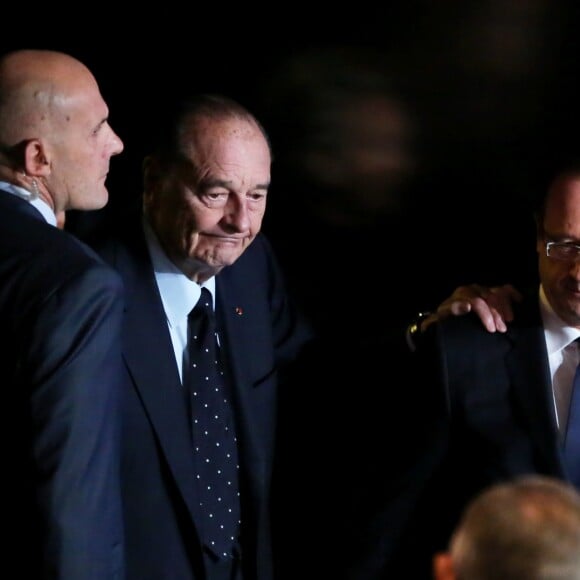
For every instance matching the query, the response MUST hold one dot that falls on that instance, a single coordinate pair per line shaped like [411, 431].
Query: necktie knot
[201, 322]
[205, 303]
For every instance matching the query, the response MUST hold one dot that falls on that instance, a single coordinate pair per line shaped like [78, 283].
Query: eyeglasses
[563, 251]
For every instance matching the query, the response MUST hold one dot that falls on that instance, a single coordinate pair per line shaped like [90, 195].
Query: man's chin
[222, 259]
[97, 201]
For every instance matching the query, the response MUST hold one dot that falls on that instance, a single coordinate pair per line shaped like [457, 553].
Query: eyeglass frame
[557, 245]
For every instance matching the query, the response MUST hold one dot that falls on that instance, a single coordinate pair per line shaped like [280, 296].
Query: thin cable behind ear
[34, 188]
[34, 184]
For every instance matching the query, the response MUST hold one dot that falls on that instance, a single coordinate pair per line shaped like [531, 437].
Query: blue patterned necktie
[572, 439]
[214, 440]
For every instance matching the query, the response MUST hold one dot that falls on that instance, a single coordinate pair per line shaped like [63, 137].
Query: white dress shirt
[178, 293]
[564, 357]
[38, 203]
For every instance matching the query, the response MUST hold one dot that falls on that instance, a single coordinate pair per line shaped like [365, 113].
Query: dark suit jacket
[481, 411]
[60, 319]
[259, 331]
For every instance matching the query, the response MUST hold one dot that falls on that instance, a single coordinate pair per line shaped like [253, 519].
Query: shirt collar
[558, 334]
[37, 202]
[179, 294]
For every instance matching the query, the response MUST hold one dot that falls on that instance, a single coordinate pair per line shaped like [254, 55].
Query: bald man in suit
[61, 309]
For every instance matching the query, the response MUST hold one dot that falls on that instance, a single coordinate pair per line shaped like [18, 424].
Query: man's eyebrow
[216, 182]
[213, 182]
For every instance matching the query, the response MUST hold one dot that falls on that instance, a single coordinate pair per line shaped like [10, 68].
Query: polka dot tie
[572, 441]
[214, 439]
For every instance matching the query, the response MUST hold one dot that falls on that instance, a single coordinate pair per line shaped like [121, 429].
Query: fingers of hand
[458, 307]
[482, 309]
[501, 299]
[492, 305]
[499, 320]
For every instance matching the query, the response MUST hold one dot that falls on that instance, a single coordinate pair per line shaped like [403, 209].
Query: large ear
[443, 567]
[36, 162]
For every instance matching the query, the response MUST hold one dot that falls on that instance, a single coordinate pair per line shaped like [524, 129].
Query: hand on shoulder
[493, 305]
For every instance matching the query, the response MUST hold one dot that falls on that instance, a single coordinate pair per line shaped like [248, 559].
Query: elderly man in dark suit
[60, 312]
[205, 190]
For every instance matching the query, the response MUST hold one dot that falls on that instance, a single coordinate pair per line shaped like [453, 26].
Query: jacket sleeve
[72, 366]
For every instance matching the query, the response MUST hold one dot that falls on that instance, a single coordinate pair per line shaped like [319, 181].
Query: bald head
[35, 86]
[55, 139]
[526, 528]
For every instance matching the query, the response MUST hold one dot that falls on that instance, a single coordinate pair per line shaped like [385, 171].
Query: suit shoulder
[54, 257]
[465, 331]
[75, 254]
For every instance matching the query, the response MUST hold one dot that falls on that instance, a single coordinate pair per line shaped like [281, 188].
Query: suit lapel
[245, 325]
[530, 375]
[239, 329]
[150, 359]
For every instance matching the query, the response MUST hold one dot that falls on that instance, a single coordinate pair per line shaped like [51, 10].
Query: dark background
[492, 87]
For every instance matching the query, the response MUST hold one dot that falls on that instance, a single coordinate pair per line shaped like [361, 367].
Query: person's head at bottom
[524, 529]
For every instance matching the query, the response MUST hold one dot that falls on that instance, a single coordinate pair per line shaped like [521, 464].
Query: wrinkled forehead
[205, 133]
[230, 144]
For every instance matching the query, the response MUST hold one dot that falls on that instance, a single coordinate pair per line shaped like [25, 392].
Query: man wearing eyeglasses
[487, 406]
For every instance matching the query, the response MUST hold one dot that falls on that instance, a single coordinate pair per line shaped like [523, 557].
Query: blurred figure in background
[524, 529]
[344, 142]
